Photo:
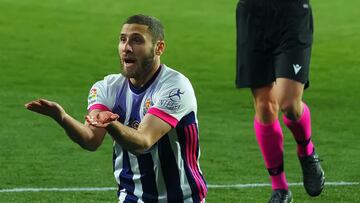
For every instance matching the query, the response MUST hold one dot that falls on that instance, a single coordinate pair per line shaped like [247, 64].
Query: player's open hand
[47, 108]
[101, 119]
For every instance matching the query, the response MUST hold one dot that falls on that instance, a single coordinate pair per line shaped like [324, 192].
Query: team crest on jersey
[148, 103]
[92, 96]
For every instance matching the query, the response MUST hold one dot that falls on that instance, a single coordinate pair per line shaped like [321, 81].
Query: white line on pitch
[267, 184]
[77, 189]
[226, 186]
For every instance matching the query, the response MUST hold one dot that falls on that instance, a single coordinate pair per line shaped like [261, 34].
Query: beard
[142, 67]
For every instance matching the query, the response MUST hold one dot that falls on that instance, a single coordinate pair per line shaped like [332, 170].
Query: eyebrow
[135, 33]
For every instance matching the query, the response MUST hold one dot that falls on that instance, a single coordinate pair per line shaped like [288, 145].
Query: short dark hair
[155, 27]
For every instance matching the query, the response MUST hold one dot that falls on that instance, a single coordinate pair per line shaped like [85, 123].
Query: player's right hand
[101, 119]
[47, 108]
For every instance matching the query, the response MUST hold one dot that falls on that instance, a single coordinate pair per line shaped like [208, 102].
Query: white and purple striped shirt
[169, 171]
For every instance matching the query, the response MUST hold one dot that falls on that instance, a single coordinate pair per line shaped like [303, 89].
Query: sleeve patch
[173, 101]
[92, 96]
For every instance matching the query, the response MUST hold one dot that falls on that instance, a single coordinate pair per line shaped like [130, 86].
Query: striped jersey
[169, 171]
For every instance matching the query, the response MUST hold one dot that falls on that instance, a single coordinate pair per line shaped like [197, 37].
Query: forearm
[87, 137]
[80, 133]
[130, 139]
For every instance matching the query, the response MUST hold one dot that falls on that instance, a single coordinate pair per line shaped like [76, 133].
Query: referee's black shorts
[274, 40]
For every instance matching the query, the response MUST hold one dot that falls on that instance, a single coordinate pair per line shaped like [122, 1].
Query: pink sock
[270, 140]
[301, 130]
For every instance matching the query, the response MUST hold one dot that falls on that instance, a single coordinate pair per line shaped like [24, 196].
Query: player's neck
[140, 82]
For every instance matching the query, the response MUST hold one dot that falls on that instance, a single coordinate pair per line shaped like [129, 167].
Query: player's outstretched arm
[137, 141]
[47, 108]
[88, 137]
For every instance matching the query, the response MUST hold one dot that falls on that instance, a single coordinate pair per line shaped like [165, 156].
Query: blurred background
[57, 49]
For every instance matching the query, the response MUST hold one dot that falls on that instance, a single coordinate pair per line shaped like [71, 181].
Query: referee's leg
[296, 116]
[269, 134]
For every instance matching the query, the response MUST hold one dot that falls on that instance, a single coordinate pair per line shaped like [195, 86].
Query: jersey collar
[148, 83]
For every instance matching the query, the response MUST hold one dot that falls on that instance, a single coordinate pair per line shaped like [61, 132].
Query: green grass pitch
[57, 49]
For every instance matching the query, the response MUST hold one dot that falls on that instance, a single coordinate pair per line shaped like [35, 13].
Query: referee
[274, 39]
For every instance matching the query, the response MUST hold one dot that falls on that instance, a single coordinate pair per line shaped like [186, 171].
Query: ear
[159, 48]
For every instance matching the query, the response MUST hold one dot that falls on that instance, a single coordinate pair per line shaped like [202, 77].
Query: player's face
[136, 51]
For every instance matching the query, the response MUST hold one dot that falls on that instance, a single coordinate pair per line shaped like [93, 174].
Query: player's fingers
[98, 124]
[96, 116]
[35, 108]
[44, 102]
[90, 119]
[87, 118]
[93, 121]
[28, 105]
[105, 117]
[114, 117]
[32, 104]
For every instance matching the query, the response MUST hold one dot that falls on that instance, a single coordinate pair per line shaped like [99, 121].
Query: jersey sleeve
[102, 95]
[174, 100]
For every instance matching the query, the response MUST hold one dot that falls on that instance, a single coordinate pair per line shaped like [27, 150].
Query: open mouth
[129, 62]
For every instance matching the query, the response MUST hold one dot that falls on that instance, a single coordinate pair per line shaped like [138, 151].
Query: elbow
[92, 148]
[89, 147]
[91, 143]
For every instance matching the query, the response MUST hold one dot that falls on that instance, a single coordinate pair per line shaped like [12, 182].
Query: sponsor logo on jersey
[169, 104]
[172, 102]
[175, 95]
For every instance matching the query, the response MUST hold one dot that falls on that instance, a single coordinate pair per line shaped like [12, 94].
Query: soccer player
[150, 111]
[274, 39]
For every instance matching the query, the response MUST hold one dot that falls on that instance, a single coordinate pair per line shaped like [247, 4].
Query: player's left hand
[101, 119]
